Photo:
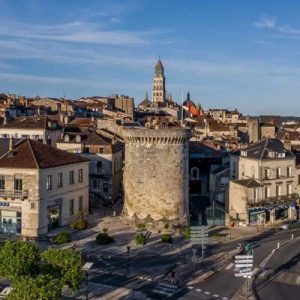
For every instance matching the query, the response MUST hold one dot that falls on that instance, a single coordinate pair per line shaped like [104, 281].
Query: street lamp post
[127, 264]
[87, 266]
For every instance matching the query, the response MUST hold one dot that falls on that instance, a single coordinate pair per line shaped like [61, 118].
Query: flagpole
[182, 109]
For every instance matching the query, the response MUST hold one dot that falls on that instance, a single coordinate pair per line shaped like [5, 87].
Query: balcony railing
[284, 199]
[20, 194]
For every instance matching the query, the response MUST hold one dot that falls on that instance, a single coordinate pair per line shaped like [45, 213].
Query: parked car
[290, 225]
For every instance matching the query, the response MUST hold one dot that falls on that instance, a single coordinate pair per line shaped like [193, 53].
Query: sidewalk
[223, 234]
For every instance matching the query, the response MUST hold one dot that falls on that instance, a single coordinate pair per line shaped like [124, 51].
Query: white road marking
[216, 295]
[254, 271]
[198, 290]
[190, 287]
[207, 293]
[263, 274]
[229, 266]
[224, 298]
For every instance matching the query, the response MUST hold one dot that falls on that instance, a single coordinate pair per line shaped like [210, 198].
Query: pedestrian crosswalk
[229, 266]
[207, 293]
[165, 289]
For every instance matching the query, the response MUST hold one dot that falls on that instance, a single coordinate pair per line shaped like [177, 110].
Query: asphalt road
[112, 271]
[223, 284]
[283, 281]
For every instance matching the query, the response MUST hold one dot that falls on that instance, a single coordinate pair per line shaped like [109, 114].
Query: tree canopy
[36, 275]
[42, 287]
[18, 259]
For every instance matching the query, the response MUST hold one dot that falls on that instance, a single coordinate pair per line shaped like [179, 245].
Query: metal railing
[14, 194]
[274, 200]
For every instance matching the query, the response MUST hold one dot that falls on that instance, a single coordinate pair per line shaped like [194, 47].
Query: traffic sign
[243, 265]
[203, 228]
[245, 270]
[243, 256]
[244, 275]
[240, 261]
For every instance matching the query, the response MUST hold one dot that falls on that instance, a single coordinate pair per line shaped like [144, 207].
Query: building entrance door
[54, 216]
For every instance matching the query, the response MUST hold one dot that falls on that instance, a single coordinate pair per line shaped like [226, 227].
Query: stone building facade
[38, 128]
[266, 188]
[105, 155]
[41, 187]
[156, 175]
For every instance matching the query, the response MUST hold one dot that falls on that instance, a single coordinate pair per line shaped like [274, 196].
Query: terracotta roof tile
[29, 154]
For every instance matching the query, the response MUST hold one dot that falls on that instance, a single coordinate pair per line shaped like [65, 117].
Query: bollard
[292, 236]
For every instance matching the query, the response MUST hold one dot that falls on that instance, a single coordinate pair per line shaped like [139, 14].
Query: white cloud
[80, 32]
[269, 23]
[272, 24]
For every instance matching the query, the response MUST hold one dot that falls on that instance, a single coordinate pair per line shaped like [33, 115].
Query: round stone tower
[156, 175]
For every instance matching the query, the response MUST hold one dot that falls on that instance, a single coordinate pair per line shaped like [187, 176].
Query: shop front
[271, 213]
[10, 219]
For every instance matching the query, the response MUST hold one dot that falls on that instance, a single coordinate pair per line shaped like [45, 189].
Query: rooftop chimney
[10, 144]
[6, 118]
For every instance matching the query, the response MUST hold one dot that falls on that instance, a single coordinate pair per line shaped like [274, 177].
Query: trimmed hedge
[80, 225]
[166, 238]
[62, 238]
[104, 239]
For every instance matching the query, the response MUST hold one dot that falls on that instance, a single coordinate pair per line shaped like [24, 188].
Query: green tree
[43, 287]
[65, 264]
[18, 259]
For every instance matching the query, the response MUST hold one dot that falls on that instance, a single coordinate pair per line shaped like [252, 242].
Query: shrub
[105, 230]
[79, 225]
[62, 238]
[104, 239]
[166, 226]
[188, 233]
[140, 239]
[141, 226]
[166, 238]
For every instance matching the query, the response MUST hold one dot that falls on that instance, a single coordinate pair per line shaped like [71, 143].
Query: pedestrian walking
[173, 276]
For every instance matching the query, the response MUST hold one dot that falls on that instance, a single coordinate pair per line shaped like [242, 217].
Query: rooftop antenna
[182, 109]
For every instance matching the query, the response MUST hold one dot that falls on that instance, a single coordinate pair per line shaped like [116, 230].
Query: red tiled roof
[96, 139]
[31, 122]
[82, 122]
[29, 154]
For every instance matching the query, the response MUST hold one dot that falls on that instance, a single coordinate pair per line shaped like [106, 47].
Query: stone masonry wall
[156, 174]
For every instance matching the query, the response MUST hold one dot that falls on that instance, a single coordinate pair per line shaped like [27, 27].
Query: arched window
[66, 138]
[194, 173]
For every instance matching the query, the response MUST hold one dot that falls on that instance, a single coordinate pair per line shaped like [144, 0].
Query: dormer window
[281, 155]
[78, 138]
[67, 138]
[243, 153]
[271, 154]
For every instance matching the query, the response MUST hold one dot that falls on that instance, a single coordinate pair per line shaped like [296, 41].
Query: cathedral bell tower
[158, 89]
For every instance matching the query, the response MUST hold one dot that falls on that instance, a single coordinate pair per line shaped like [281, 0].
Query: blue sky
[231, 54]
